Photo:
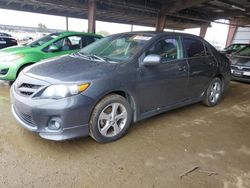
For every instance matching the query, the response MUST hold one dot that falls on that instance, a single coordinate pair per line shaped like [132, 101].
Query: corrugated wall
[242, 35]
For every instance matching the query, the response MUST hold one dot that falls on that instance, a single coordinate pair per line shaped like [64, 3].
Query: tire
[110, 119]
[10, 83]
[213, 93]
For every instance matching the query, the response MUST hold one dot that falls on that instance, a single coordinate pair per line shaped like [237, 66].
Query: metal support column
[231, 33]
[67, 23]
[203, 30]
[91, 16]
[160, 22]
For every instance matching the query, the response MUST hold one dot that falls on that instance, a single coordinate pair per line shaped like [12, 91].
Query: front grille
[25, 118]
[241, 68]
[27, 89]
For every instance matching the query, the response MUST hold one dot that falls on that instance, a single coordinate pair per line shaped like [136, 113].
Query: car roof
[162, 33]
[65, 33]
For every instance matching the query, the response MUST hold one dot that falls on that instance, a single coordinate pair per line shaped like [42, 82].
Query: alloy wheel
[215, 92]
[112, 119]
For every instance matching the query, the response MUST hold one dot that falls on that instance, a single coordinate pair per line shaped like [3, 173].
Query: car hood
[240, 60]
[69, 69]
[16, 50]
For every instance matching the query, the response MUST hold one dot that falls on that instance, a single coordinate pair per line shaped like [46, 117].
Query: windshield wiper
[92, 57]
[97, 57]
[82, 55]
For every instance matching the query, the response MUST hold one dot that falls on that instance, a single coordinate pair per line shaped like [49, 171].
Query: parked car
[117, 80]
[6, 41]
[240, 66]
[28, 39]
[5, 35]
[233, 48]
[15, 59]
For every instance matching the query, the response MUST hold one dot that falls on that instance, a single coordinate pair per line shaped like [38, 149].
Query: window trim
[185, 49]
[77, 35]
[177, 37]
[209, 49]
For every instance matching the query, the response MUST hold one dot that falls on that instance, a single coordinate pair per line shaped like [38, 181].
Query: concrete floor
[153, 154]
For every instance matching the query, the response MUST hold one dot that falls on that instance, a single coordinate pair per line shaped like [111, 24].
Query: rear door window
[75, 42]
[194, 48]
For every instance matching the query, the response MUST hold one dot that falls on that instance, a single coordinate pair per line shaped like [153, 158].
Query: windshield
[235, 47]
[43, 40]
[244, 52]
[117, 48]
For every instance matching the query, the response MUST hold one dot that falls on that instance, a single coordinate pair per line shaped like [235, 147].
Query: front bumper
[35, 115]
[240, 75]
[11, 73]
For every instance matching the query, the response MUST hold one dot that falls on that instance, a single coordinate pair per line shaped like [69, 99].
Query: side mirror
[53, 48]
[152, 60]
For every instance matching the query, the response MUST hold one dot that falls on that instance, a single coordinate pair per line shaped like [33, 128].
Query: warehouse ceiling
[180, 14]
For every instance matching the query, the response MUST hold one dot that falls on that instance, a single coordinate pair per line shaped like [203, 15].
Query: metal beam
[181, 5]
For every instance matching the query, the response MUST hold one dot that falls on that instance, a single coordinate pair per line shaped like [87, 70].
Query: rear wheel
[110, 119]
[213, 92]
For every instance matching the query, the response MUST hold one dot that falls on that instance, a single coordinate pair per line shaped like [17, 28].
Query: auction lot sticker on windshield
[138, 37]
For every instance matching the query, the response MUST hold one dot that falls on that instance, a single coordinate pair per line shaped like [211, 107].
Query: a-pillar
[91, 16]
[160, 22]
[203, 30]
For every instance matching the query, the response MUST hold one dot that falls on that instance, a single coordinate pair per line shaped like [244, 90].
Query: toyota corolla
[116, 81]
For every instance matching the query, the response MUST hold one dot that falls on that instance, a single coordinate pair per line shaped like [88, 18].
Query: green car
[14, 59]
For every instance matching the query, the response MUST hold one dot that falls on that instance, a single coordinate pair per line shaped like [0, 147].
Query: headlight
[62, 91]
[9, 58]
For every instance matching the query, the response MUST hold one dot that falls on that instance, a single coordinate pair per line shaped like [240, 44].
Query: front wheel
[213, 93]
[110, 119]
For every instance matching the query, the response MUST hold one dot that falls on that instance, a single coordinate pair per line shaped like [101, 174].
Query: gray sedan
[240, 67]
[115, 81]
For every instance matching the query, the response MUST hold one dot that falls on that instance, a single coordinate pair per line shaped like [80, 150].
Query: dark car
[7, 41]
[117, 80]
[233, 48]
[5, 35]
[240, 66]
